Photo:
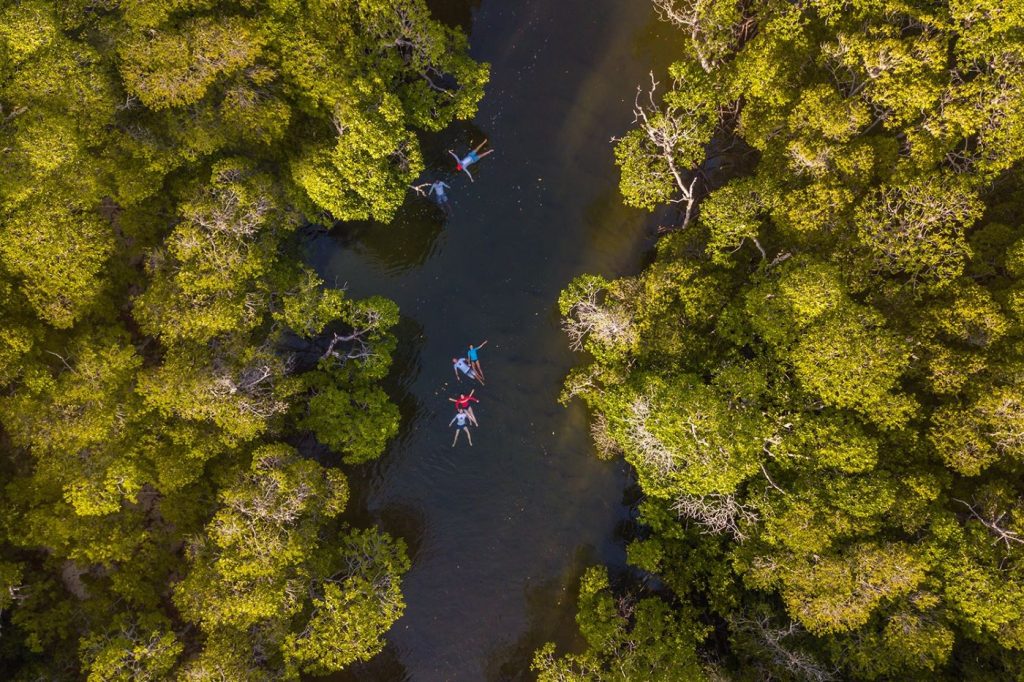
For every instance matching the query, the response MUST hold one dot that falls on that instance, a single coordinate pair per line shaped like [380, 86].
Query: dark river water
[499, 533]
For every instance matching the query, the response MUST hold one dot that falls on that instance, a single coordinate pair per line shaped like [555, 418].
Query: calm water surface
[499, 533]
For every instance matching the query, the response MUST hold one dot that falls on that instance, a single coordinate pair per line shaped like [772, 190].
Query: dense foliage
[820, 381]
[163, 350]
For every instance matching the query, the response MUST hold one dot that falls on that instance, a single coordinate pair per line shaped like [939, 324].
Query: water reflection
[547, 621]
[607, 218]
[404, 520]
[454, 12]
[385, 667]
[422, 223]
[416, 233]
[503, 530]
[405, 361]
[656, 44]
[405, 368]
[458, 137]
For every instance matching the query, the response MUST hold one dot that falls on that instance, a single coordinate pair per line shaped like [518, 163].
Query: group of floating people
[438, 188]
[469, 367]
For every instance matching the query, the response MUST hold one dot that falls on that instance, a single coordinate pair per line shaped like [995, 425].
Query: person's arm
[456, 369]
[452, 400]
[481, 345]
[475, 400]
[446, 185]
[453, 420]
[457, 159]
[433, 188]
[466, 171]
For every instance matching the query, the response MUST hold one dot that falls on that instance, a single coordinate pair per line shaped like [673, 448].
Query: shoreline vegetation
[818, 381]
[164, 353]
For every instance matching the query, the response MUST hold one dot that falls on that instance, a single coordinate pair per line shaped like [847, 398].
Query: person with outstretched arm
[461, 365]
[474, 359]
[461, 421]
[470, 158]
[462, 403]
[437, 188]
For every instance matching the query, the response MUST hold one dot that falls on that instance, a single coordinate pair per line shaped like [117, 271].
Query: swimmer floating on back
[474, 359]
[462, 403]
[472, 157]
[462, 418]
[461, 365]
[438, 188]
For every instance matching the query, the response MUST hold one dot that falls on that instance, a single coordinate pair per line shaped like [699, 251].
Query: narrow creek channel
[499, 533]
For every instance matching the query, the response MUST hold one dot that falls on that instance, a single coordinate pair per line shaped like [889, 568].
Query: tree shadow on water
[384, 667]
[405, 361]
[551, 610]
[404, 244]
[403, 520]
[454, 12]
[404, 370]
[407, 522]
[458, 137]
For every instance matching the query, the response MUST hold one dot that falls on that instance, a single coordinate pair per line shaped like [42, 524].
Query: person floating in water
[472, 157]
[462, 403]
[438, 188]
[474, 359]
[461, 424]
[461, 365]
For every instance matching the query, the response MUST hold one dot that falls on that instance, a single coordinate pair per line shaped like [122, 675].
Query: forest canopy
[818, 381]
[166, 358]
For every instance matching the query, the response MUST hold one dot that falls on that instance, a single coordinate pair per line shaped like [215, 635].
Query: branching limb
[995, 525]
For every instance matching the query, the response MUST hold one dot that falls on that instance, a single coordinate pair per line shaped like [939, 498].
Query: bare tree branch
[993, 524]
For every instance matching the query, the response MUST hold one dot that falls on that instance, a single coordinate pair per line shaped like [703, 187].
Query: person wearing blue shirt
[474, 359]
[469, 159]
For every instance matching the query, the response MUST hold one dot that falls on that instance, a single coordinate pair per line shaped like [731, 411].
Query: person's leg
[480, 146]
[472, 417]
[477, 369]
[489, 151]
[469, 437]
[457, 429]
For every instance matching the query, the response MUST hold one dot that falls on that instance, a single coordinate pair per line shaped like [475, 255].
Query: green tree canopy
[162, 345]
[818, 379]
